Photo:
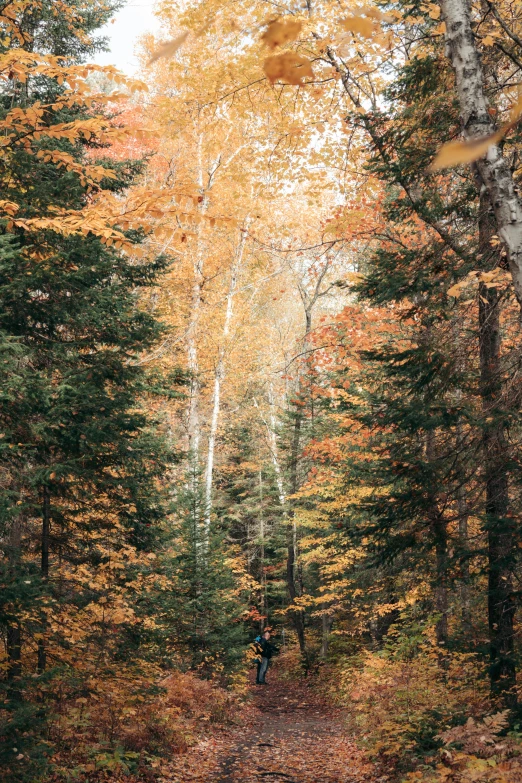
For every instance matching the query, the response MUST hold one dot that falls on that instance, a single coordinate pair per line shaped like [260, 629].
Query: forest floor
[288, 734]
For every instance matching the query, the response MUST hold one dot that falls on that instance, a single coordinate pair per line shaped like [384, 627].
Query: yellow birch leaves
[293, 68]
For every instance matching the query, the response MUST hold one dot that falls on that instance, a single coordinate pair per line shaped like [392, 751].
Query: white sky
[128, 25]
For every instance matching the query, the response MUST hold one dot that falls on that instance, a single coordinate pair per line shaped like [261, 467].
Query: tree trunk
[440, 536]
[501, 527]
[14, 650]
[296, 614]
[44, 570]
[295, 586]
[219, 375]
[297, 617]
[463, 534]
[274, 451]
[262, 572]
[291, 542]
[464, 561]
[193, 367]
[441, 589]
[326, 628]
[477, 122]
[194, 431]
[14, 630]
[192, 335]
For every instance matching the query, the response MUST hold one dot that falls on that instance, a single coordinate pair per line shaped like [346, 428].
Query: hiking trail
[289, 734]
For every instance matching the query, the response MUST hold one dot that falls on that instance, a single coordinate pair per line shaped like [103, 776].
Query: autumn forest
[261, 369]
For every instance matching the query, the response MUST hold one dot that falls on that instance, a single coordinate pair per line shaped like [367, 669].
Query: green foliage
[249, 514]
[82, 459]
[202, 612]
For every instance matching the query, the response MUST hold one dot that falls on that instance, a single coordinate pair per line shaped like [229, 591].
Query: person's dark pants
[262, 666]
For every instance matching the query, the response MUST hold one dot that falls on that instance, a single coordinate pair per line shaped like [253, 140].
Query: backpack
[256, 644]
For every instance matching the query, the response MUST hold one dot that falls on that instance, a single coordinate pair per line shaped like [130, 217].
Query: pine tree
[418, 398]
[421, 405]
[82, 460]
[202, 614]
[249, 513]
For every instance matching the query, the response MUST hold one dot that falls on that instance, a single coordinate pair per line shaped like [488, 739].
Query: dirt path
[289, 735]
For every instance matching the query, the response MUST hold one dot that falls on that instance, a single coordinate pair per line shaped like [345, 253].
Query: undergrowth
[116, 730]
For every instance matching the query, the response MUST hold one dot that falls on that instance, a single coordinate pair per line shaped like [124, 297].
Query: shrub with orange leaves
[200, 700]
[399, 699]
[128, 722]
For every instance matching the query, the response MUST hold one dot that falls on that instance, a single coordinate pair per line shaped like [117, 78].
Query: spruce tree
[418, 398]
[82, 460]
[425, 384]
[202, 614]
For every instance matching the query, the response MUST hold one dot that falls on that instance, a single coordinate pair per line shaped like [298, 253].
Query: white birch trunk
[219, 376]
[477, 122]
[193, 364]
[194, 427]
[272, 437]
[272, 446]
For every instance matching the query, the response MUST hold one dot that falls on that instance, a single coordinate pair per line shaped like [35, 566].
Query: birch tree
[219, 372]
[499, 197]
[477, 123]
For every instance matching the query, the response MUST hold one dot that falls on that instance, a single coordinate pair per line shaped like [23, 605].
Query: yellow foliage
[140, 710]
[396, 700]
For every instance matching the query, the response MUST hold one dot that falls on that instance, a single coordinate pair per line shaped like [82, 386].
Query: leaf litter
[287, 734]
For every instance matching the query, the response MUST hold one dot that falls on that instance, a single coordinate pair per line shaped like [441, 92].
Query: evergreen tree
[203, 613]
[249, 513]
[422, 390]
[82, 460]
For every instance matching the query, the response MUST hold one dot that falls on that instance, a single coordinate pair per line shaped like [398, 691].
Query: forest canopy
[260, 312]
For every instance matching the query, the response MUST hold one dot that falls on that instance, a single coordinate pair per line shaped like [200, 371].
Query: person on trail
[265, 650]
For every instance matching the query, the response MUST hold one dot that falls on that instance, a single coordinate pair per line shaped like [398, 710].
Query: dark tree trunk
[462, 511]
[440, 535]
[500, 526]
[439, 532]
[297, 616]
[14, 650]
[14, 630]
[291, 541]
[326, 628]
[464, 562]
[46, 527]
